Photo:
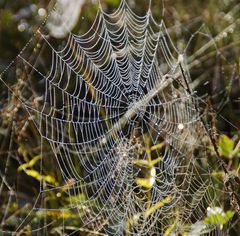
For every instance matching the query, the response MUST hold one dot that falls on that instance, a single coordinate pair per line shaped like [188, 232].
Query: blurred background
[208, 31]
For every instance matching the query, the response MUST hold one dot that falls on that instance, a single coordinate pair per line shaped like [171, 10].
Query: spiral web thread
[115, 110]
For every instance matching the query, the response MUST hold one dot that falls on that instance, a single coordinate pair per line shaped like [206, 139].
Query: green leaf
[146, 183]
[23, 151]
[30, 164]
[147, 163]
[76, 199]
[219, 218]
[47, 178]
[113, 2]
[169, 230]
[225, 145]
[158, 205]
[149, 211]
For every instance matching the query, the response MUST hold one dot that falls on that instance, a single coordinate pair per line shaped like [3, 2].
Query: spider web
[126, 132]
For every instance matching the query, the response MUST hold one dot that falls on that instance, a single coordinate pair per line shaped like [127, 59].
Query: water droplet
[231, 30]
[104, 141]
[33, 7]
[180, 58]
[42, 12]
[224, 34]
[180, 126]
[21, 27]
[114, 55]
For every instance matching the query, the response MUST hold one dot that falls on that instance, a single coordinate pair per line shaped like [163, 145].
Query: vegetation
[209, 29]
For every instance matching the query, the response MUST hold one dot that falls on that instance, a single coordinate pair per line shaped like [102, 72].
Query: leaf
[27, 230]
[157, 146]
[155, 161]
[113, 2]
[56, 214]
[218, 174]
[225, 145]
[22, 151]
[47, 178]
[141, 162]
[147, 163]
[169, 230]
[76, 199]
[146, 183]
[219, 218]
[30, 164]
[157, 206]
[133, 220]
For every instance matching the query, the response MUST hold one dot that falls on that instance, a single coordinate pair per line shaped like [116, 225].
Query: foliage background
[215, 75]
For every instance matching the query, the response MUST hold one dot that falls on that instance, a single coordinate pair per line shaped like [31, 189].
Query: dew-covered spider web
[127, 132]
